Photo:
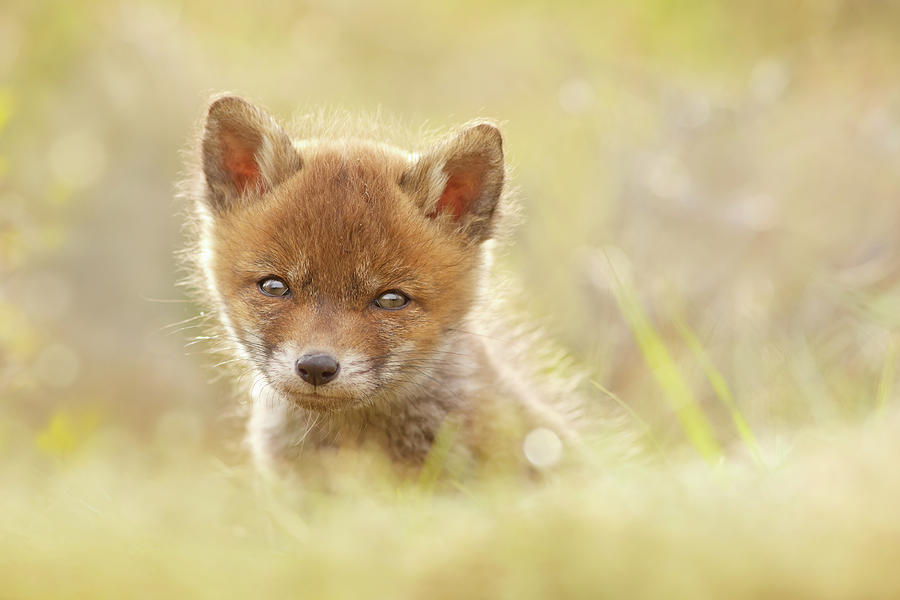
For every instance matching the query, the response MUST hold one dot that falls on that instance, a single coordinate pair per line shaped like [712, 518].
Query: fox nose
[317, 369]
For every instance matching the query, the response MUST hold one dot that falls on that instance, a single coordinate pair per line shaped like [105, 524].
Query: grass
[88, 513]
[710, 202]
[720, 387]
[669, 379]
[115, 519]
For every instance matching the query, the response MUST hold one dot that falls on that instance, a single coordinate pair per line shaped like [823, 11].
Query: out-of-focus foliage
[711, 193]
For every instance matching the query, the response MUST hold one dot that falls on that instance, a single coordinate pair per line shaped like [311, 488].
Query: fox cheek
[245, 153]
[460, 181]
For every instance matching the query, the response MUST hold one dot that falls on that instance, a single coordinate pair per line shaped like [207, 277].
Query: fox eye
[392, 300]
[273, 286]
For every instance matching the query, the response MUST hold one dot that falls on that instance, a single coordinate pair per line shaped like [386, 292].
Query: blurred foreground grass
[711, 194]
[115, 520]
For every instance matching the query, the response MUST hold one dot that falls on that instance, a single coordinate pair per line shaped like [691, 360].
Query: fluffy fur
[341, 219]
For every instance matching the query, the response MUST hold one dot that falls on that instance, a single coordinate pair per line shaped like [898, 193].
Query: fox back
[348, 275]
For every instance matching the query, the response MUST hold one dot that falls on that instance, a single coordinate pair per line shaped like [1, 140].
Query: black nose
[317, 369]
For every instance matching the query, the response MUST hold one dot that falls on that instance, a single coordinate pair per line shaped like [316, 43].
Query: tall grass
[710, 202]
[116, 518]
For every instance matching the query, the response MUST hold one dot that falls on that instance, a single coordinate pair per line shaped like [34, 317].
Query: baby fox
[348, 276]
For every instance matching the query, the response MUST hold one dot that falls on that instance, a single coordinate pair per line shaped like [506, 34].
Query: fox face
[340, 269]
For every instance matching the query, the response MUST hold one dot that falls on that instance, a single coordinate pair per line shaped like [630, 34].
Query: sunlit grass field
[710, 196]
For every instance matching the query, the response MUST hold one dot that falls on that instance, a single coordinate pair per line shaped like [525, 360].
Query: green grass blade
[436, 461]
[646, 426]
[720, 387]
[675, 389]
[886, 381]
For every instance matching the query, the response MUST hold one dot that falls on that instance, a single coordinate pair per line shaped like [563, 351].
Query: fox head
[340, 268]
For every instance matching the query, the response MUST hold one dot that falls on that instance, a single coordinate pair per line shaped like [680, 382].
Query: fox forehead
[342, 226]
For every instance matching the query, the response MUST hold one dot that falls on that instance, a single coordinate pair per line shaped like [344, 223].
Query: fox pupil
[392, 300]
[273, 286]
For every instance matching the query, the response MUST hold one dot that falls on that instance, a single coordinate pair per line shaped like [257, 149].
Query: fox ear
[245, 153]
[460, 180]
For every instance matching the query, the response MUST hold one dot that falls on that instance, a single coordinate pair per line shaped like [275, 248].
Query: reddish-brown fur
[340, 222]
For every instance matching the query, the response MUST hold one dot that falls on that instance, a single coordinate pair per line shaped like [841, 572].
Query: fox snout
[317, 369]
[323, 376]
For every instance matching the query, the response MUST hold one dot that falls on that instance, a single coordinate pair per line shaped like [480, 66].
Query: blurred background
[710, 192]
[737, 164]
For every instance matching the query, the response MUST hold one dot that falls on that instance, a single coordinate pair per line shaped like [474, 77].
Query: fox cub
[349, 278]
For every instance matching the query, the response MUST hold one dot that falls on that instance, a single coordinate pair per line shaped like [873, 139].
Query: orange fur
[341, 221]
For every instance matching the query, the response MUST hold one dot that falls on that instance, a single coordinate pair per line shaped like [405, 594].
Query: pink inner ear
[462, 188]
[239, 161]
